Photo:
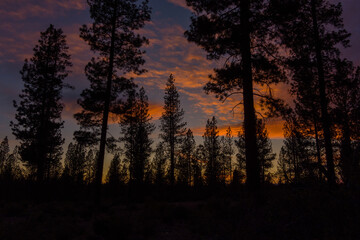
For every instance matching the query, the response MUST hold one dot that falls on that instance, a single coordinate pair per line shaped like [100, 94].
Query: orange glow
[70, 108]
[155, 110]
[274, 129]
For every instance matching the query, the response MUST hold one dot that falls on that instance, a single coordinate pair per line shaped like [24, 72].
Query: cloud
[180, 3]
[170, 52]
[71, 107]
[155, 110]
[23, 9]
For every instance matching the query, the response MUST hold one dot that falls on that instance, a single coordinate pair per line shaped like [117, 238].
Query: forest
[170, 186]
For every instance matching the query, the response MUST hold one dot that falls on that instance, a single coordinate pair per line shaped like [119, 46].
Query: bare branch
[231, 94]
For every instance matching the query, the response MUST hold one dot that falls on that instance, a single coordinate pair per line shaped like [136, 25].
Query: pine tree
[186, 159]
[212, 152]
[240, 32]
[198, 165]
[117, 172]
[4, 153]
[136, 129]
[112, 36]
[297, 156]
[312, 30]
[265, 154]
[159, 164]
[172, 125]
[226, 153]
[9, 166]
[38, 115]
[74, 168]
[90, 166]
[345, 98]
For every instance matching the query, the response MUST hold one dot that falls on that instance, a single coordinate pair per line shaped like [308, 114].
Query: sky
[21, 22]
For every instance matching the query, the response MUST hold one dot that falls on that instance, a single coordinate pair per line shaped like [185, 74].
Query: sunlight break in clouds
[274, 128]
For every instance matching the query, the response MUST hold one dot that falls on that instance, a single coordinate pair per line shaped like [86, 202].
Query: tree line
[259, 43]
[176, 159]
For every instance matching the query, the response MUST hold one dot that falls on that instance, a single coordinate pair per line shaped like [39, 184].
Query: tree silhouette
[198, 165]
[186, 159]
[226, 154]
[38, 114]
[297, 156]
[312, 30]
[117, 172]
[4, 154]
[345, 98]
[92, 103]
[9, 167]
[212, 152]
[112, 36]
[265, 154]
[90, 166]
[74, 164]
[172, 125]
[159, 164]
[136, 129]
[240, 32]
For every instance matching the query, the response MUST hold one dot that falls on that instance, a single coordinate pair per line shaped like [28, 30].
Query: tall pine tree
[313, 30]
[136, 129]
[186, 159]
[212, 153]
[239, 32]
[345, 98]
[38, 114]
[112, 35]
[172, 124]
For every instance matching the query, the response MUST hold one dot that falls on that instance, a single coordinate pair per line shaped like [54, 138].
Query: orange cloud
[155, 110]
[71, 107]
[170, 52]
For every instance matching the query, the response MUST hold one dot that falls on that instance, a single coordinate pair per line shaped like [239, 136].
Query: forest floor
[274, 213]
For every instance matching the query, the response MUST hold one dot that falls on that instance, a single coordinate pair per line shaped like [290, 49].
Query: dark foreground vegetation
[56, 211]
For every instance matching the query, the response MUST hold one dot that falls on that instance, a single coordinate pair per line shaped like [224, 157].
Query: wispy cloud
[180, 3]
[23, 9]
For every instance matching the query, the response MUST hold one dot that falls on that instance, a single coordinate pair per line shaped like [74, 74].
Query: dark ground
[277, 212]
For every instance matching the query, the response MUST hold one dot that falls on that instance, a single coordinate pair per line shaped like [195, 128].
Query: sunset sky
[169, 52]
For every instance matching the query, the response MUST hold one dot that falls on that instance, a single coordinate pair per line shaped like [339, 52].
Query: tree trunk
[323, 99]
[100, 162]
[172, 159]
[252, 161]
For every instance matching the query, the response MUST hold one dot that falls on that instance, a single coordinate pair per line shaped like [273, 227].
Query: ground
[277, 212]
